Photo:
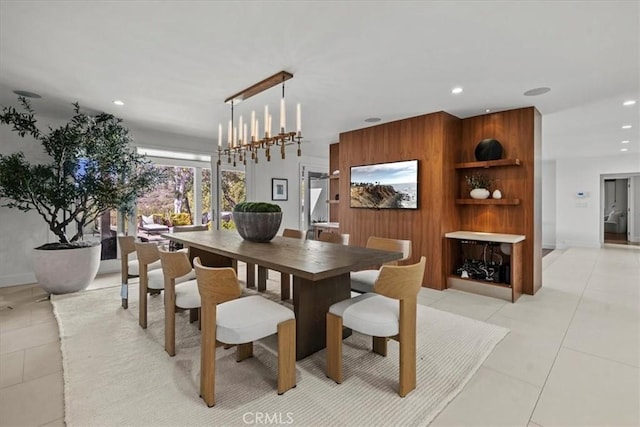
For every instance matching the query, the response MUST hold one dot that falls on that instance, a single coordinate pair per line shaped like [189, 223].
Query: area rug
[116, 374]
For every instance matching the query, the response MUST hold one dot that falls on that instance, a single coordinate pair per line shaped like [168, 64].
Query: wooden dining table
[320, 272]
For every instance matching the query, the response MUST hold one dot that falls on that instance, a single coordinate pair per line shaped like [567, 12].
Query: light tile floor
[571, 358]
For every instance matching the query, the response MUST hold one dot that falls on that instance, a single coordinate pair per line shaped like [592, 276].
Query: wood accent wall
[439, 141]
[519, 134]
[431, 139]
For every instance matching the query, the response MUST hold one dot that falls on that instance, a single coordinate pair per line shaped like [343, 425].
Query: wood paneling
[445, 146]
[519, 133]
[431, 139]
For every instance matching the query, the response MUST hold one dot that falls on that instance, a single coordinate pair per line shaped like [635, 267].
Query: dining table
[320, 270]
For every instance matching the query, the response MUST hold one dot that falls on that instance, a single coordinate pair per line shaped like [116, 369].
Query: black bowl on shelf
[488, 149]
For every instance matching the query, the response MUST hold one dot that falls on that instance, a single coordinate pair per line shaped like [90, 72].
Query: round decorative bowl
[479, 193]
[257, 226]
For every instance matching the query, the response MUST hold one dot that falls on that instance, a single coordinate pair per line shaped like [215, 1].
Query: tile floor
[571, 358]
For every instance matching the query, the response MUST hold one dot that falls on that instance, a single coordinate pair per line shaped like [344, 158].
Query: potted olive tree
[93, 169]
[257, 221]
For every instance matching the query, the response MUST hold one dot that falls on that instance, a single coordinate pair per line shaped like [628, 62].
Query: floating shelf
[488, 164]
[334, 176]
[483, 282]
[333, 202]
[487, 202]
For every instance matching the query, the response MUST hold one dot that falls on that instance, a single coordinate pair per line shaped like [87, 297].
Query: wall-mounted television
[391, 185]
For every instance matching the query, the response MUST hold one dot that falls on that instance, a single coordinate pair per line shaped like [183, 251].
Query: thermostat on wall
[582, 194]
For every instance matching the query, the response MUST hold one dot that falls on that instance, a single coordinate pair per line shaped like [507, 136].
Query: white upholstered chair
[227, 319]
[177, 270]
[362, 281]
[390, 312]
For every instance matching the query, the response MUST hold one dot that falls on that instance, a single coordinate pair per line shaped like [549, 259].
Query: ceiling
[174, 62]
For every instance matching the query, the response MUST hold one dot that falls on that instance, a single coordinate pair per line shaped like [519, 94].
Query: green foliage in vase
[92, 169]
[256, 207]
[478, 180]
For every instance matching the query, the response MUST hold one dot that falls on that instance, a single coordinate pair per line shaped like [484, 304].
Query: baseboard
[634, 239]
[566, 244]
[549, 245]
[17, 279]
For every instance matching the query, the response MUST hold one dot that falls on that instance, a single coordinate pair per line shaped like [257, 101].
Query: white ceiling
[174, 62]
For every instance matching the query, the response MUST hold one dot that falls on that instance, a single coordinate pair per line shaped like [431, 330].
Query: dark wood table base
[316, 298]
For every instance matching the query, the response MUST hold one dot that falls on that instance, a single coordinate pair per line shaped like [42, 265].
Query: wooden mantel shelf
[487, 201]
[488, 164]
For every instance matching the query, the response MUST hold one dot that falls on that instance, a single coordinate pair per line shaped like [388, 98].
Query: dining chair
[177, 270]
[342, 239]
[151, 280]
[389, 312]
[362, 281]
[226, 320]
[285, 278]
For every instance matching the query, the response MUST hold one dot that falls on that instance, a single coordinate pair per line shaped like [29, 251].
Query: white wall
[578, 220]
[259, 181]
[634, 203]
[549, 204]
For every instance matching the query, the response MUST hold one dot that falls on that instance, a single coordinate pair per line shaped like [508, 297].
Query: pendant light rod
[269, 82]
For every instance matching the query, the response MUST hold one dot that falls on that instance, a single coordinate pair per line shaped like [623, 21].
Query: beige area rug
[116, 374]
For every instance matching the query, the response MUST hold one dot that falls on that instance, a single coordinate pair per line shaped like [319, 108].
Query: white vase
[497, 194]
[66, 270]
[479, 193]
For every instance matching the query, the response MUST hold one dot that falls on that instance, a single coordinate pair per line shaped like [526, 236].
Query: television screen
[385, 185]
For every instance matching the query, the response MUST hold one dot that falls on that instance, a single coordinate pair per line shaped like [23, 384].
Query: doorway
[619, 209]
[314, 193]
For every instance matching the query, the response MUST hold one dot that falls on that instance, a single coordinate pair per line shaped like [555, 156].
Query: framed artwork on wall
[279, 189]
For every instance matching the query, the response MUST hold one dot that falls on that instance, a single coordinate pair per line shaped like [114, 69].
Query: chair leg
[286, 355]
[208, 358]
[285, 286]
[334, 347]
[244, 351]
[380, 345]
[170, 328]
[142, 300]
[193, 315]
[407, 341]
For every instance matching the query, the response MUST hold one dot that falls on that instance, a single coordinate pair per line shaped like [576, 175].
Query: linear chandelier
[241, 144]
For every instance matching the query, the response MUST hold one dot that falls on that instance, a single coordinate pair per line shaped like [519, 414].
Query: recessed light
[456, 90]
[626, 127]
[26, 94]
[372, 119]
[626, 141]
[624, 149]
[537, 91]
[629, 103]
[487, 110]
[118, 102]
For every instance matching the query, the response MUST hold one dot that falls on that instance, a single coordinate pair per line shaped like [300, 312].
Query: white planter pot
[66, 270]
[479, 193]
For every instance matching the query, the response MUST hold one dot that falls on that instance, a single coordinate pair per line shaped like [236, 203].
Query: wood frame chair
[342, 239]
[285, 278]
[222, 321]
[362, 281]
[381, 317]
[176, 266]
[147, 253]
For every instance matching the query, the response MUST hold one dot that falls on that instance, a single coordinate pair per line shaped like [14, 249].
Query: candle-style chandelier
[241, 144]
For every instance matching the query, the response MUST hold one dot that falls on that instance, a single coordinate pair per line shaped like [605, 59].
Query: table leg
[311, 302]
[251, 275]
[262, 278]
